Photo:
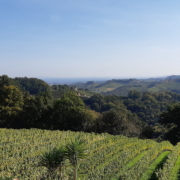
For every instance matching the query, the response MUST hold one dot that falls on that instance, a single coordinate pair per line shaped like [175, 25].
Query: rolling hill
[166, 85]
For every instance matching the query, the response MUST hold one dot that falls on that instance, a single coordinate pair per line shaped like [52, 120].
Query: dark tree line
[149, 107]
[32, 85]
[171, 120]
[19, 109]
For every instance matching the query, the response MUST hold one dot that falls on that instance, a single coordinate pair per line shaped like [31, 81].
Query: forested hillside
[32, 85]
[58, 91]
[146, 105]
[19, 109]
[136, 115]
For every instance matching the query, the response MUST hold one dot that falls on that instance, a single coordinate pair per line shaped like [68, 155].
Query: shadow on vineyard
[159, 166]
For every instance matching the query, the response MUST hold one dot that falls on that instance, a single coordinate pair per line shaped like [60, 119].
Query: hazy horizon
[89, 77]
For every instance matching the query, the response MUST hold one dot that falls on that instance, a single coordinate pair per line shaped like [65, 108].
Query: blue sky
[89, 38]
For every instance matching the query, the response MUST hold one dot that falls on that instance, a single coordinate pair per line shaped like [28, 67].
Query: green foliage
[172, 115]
[6, 81]
[149, 105]
[36, 112]
[169, 169]
[40, 111]
[21, 110]
[171, 120]
[59, 90]
[113, 122]
[32, 85]
[53, 160]
[10, 96]
[107, 156]
[133, 94]
[150, 173]
[137, 171]
[102, 103]
[69, 112]
[76, 151]
[116, 119]
[175, 174]
[11, 103]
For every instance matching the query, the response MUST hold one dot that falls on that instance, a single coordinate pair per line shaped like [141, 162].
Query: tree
[53, 160]
[69, 112]
[11, 102]
[133, 94]
[32, 85]
[116, 122]
[95, 102]
[4, 81]
[37, 111]
[75, 151]
[171, 120]
[112, 122]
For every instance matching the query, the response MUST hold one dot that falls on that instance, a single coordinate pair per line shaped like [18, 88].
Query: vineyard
[109, 157]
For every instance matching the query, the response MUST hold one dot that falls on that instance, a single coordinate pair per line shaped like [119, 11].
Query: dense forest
[32, 103]
[32, 85]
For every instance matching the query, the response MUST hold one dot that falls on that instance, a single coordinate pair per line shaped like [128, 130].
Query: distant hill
[31, 85]
[70, 81]
[123, 86]
[173, 77]
[58, 91]
[110, 85]
[172, 85]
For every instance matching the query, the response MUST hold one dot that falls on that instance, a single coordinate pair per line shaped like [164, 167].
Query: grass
[150, 173]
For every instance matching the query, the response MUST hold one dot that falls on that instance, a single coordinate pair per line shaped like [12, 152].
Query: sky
[89, 38]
